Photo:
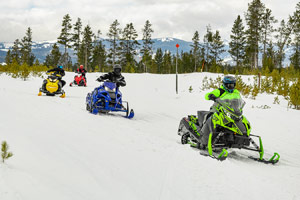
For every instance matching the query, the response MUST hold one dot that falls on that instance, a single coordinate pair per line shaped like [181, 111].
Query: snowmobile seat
[202, 117]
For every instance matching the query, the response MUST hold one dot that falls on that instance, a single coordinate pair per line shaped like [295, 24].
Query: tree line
[249, 39]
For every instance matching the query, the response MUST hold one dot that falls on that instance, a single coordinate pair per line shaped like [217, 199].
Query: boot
[63, 95]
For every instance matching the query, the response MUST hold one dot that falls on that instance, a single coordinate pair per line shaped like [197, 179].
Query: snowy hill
[63, 152]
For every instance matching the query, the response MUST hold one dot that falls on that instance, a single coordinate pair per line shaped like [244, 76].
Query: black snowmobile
[232, 130]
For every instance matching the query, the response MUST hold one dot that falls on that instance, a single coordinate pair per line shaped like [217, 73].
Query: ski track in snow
[63, 152]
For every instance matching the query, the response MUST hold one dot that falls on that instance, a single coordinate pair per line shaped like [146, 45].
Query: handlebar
[54, 74]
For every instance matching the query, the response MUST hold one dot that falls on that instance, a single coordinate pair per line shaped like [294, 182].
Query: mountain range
[42, 48]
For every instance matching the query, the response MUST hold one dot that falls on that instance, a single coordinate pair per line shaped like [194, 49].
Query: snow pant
[206, 129]
[44, 85]
[63, 83]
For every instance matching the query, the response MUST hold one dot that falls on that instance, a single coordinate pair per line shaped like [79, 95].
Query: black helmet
[229, 83]
[117, 69]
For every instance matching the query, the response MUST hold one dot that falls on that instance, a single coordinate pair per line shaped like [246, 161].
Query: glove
[212, 97]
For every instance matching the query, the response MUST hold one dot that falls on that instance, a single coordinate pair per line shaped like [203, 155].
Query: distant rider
[81, 71]
[56, 71]
[114, 76]
[208, 127]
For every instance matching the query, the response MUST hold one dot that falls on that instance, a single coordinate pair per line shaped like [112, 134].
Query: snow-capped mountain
[42, 48]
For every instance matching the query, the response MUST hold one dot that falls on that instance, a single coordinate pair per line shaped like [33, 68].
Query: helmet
[229, 83]
[81, 67]
[117, 69]
[60, 66]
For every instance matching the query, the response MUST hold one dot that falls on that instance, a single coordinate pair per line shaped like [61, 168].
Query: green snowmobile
[232, 130]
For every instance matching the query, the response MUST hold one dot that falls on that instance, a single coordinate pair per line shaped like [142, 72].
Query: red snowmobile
[79, 80]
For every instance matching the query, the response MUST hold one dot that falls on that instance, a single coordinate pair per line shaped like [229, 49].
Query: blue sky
[170, 18]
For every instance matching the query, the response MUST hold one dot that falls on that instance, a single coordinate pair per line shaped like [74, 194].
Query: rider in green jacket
[228, 86]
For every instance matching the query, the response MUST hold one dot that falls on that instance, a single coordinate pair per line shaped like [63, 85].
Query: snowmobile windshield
[232, 103]
[109, 86]
[52, 78]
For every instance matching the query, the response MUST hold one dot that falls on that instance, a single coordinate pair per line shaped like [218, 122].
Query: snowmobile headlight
[228, 114]
[232, 116]
[236, 118]
[109, 90]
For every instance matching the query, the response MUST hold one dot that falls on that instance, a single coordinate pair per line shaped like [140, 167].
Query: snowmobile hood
[110, 85]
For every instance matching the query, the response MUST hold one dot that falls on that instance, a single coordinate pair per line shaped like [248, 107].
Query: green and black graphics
[222, 128]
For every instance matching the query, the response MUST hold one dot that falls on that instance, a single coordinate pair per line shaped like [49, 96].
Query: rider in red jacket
[80, 80]
[81, 70]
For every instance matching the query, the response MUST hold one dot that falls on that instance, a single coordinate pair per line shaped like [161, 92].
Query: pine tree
[77, 27]
[52, 59]
[238, 41]
[27, 56]
[99, 53]
[267, 29]
[86, 47]
[167, 63]
[208, 37]
[128, 46]
[8, 58]
[283, 38]
[186, 61]
[217, 48]
[254, 17]
[4, 151]
[114, 36]
[284, 34]
[15, 52]
[158, 59]
[66, 60]
[270, 57]
[295, 57]
[196, 49]
[147, 45]
[295, 94]
[65, 37]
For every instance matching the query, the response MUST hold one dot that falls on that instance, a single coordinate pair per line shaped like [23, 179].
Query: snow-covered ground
[62, 152]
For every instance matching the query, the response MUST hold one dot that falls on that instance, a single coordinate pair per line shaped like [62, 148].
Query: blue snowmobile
[107, 98]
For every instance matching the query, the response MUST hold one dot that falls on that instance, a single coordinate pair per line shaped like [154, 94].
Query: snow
[63, 152]
[228, 60]
[167, 39]
[8, 45]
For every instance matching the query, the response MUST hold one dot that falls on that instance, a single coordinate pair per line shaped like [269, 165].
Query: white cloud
[170, 18]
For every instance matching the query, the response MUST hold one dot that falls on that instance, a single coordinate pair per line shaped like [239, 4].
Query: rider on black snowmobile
[59, 71]
[114, 76]
[228, 86]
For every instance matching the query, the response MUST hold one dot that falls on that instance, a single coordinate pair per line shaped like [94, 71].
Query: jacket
[220, 92]
[82, 71]
[57, 71]
[112, 77]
